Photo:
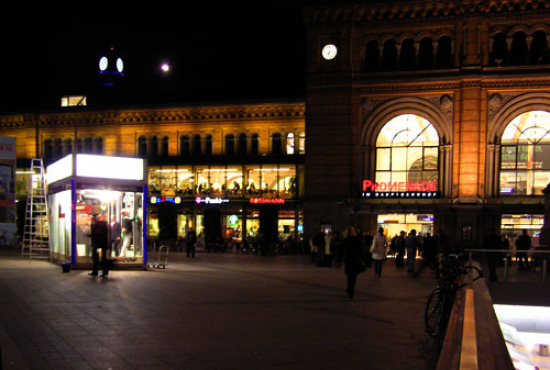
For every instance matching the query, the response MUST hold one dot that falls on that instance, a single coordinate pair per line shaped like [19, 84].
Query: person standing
[352, 256]
[492, 242]
[378, 250]
[400, 250]
[523, 243]
[190, 242]
[99, 235]
[319, 243]
[126, 233]
[115, 235]
[412, 244]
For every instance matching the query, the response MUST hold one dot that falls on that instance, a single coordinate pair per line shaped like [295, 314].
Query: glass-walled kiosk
[112, 187]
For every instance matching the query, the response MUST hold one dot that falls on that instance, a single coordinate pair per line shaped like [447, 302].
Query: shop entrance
[394, 223]
[512, 226]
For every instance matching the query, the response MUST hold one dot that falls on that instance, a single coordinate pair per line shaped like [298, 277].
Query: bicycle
[441, 300]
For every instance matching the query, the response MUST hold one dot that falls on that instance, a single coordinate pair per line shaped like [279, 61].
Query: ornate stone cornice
[191, 114]
[406, 10]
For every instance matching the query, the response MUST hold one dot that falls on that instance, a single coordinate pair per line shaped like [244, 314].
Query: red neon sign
[267, 200]
[369, 185]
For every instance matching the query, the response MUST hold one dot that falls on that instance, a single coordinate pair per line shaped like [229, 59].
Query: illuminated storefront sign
[209, 200]
[154, 199]
[400, 189]
[267, 200]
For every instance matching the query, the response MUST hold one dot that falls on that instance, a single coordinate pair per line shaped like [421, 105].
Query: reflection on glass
[203, 181]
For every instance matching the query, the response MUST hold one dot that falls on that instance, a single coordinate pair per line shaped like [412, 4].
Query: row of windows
[408, 54]
[243, 181]
[233, 145]
[520, 49]
[58, 148]
[407, 150]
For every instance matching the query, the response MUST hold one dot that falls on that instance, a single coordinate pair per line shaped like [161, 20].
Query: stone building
[230, 163]
[428, 115]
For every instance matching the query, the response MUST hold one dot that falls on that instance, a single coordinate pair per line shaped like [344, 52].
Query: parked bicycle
[441, 300]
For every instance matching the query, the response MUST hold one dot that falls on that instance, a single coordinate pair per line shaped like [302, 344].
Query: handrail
[509, 252]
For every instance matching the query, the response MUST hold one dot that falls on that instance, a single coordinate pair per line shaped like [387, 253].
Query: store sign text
[400, 189]
[209, 200]
[267, 200]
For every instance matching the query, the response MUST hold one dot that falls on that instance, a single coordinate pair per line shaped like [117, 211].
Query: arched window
[276, 144]
[99, 145]
[68, 146]
[242, 144]
[290, 143]
[165, 146]
[444, 56]
[48, 149]
[58, 148]
[154, 147]
[518, 53]
[88, 145]
[255, 144]
[389, 55]
[425, 53]
[197, 145]
[372, 56]
[229, 145]
[539, 48]
[499, 55]
[407, 150]
[525, 154]
[208, 145]
[185, 145]
[142, 147]
[79, 145]
[302, 143]
[407, 58]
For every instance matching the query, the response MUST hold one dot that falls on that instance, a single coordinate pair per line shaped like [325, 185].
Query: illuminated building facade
[221, 165]
[438, 114]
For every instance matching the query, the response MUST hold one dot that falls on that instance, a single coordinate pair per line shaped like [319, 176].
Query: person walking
[492, 242]
[319, 243]
[400, 250]
[99, 235]
[378, 250]
[523, 243]
[353, 259]
[190, 242]
[412, 244]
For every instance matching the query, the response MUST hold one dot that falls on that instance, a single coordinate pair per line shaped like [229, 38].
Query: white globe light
[165, 67]
[103, 63]
[119, 65]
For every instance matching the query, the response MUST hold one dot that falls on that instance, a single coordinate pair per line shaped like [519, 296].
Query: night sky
[216, 55]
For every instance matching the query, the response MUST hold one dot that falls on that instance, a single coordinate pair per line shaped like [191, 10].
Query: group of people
[493, 241]
[358, 251]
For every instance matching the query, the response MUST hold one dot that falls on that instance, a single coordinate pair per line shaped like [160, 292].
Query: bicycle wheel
[432, 313]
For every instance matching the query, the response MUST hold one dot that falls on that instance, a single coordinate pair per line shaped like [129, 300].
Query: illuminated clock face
[119, 65]
[329, 51]
[103, 63]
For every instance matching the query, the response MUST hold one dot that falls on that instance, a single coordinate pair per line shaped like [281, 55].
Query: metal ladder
[36, 243]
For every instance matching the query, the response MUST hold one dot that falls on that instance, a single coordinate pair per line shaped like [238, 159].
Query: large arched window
[197, 146]
[525, 154]
[208, 145]
[276, 144]
[255, 144]
[185, 145]
[229, 144]
[407, 150]
[242, 144]
[290, 142]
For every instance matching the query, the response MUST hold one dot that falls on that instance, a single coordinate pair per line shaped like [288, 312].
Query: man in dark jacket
[492, 241]
[190, 242]
[523, 243]
[100, 240]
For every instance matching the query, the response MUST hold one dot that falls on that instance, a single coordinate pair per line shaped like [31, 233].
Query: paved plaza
[217, 311]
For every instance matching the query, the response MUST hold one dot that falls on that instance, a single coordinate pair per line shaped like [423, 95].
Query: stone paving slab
[217, 311]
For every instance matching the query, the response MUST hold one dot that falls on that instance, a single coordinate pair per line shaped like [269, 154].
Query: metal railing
[507, 254]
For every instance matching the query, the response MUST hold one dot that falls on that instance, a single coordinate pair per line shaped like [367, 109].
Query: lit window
[407, 150]
[290, 143]
[525, 155]
[73, 101]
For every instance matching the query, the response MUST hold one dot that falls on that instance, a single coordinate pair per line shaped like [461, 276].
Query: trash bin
[543, 350]
[66, 267]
